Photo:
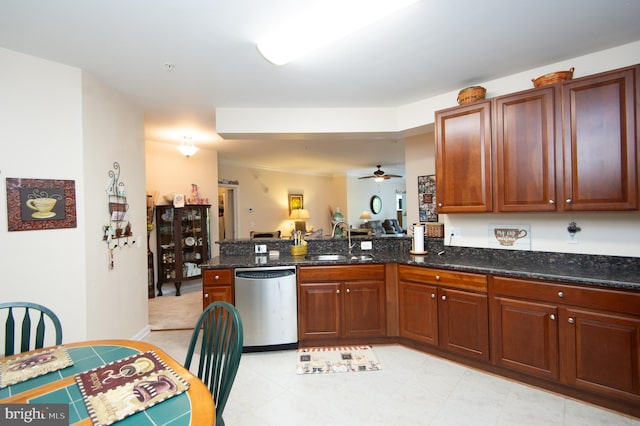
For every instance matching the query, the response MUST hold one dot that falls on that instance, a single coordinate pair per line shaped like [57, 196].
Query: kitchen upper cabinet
[341, 302]
[571, 146]
[600, 142]
[444, 308]
[525, 178]
[463, 159]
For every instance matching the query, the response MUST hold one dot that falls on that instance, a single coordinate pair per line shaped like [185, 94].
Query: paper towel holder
[413, 241]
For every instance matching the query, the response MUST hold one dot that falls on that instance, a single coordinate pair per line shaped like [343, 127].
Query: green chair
[23, 330]
[219, 334]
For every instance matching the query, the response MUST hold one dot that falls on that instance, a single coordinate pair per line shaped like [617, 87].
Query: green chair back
[219, 335]
[29, 337]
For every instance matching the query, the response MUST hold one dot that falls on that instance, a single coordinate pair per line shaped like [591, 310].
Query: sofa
[375, 227]
[392, 226]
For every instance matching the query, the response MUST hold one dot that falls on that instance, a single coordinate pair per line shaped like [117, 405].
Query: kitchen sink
[362, 257]
[328, 257]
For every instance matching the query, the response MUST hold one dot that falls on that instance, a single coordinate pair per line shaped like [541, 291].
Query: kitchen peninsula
[565, 322]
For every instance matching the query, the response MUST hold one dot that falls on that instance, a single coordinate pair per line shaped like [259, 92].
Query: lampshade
[365, 215]
[299, 214]
[187, 148]
[325, 22]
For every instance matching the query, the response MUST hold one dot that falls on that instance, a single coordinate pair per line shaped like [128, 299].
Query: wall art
[40, 204]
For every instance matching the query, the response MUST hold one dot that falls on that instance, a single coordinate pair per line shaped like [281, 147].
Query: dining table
[195, 406]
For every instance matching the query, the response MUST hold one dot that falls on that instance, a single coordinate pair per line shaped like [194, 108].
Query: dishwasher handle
[261, 275]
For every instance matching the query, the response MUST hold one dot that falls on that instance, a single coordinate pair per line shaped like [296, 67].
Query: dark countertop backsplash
[607, 271]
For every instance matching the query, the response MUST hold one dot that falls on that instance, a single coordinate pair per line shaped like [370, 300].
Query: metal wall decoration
[427, 198]
[40, 204]
[117, 233]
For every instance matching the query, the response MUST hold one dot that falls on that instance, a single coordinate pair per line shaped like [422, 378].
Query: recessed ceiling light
[325, 22]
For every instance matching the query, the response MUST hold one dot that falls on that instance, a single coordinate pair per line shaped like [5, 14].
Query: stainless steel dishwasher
[267, 301]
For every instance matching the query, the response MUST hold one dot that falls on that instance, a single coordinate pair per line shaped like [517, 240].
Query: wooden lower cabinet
[602, 351]
[586, 338]
[217, 285]
[444, 308]
[341, 302]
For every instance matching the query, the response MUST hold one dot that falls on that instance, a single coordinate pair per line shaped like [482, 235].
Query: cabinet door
[464, 322]
[525, 152]
[525, 336]
[418, 307]
[214, 293]
[463, 159]
[600, 142]
[602, 351]
[319, 310]
[364, 309]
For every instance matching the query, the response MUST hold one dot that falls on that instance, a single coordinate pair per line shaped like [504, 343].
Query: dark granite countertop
[605, 271]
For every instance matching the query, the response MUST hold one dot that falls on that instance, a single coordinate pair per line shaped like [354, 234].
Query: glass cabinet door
[166, 244]
[194, 239]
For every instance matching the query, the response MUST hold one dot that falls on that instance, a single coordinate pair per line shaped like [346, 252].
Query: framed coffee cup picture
[40, 204]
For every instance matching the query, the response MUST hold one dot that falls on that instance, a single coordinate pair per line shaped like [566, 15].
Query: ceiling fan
[380, 175]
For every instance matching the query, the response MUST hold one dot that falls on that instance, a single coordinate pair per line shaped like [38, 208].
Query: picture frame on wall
[34, 204]
[296, 201]
[427, 211]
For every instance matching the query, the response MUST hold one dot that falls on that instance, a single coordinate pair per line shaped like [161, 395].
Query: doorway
[227, 212]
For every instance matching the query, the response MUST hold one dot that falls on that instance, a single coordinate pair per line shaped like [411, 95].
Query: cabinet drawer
[341, 273]
[454, 279]
[217, 276]
[598, 298]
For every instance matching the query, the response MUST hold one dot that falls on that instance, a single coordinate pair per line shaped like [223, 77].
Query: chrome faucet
[333, 233]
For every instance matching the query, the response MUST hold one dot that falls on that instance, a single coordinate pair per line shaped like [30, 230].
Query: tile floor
[411, 389]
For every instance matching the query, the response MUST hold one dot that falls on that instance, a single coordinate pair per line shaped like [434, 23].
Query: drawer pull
[217, 277]
[551, 202]
[338, 291]
[571, 320]
[444, 297]
[433, 296]
[569, 201]
[553, 317]
[348, 291]
[437, 277]
[560, 294]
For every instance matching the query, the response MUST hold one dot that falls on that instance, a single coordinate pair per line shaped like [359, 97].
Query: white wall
[42, 110]
[114, 132]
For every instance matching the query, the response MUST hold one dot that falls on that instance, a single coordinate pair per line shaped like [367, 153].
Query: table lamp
[299, 215]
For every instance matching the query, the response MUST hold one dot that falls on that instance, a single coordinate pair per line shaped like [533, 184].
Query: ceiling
[430, 48]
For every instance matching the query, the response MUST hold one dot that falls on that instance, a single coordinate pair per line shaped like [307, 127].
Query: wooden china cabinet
[183, 243]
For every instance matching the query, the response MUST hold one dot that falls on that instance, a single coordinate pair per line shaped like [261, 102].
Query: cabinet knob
[433, 296]
[439, 204]
[437, 277]
[571, 320]
[348, 291]
[206, 295]
[569, 201]
[444, 297]
[217, 277]
[553, 317]
[551, 202]
[338, 291]
[560, 294]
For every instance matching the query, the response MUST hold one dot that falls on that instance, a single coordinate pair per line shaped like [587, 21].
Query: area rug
[343, 359]
[170, 312]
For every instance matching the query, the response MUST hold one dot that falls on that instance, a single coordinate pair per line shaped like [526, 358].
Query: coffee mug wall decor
[515, 237]
[34, 204]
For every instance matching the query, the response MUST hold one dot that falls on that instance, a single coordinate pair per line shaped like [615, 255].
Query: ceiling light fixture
[187, 148]
[325, 22]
